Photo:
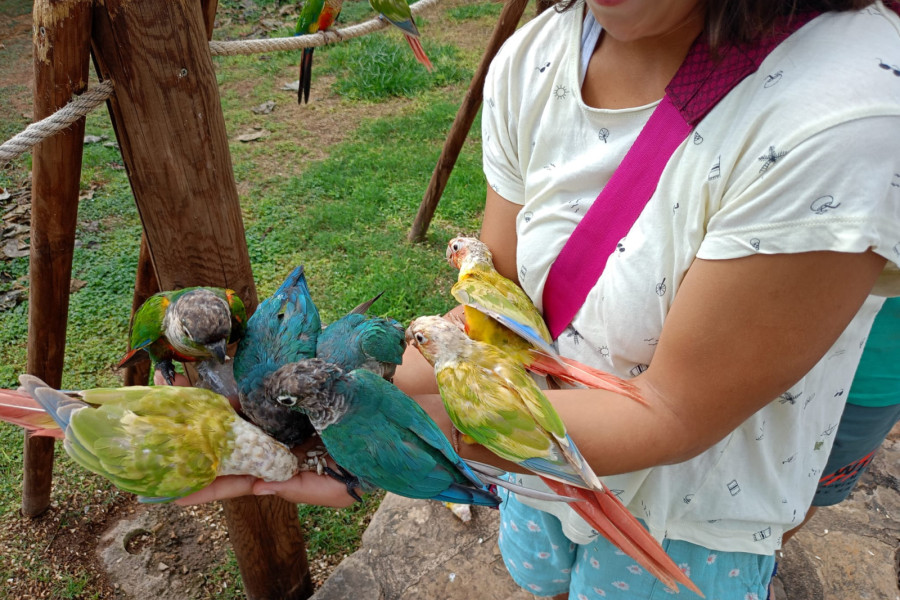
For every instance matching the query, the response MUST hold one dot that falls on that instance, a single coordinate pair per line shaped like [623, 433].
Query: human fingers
[307, 488]
[180, 379]
[227, 486]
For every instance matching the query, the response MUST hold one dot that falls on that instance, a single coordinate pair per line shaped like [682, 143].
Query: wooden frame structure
[167, 116]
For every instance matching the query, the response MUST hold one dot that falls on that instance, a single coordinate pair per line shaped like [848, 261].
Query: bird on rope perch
[259, 46]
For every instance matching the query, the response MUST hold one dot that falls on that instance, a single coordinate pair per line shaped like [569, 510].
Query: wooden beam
[62, 30]
[168, 120]
[145, 285]
[506, 26]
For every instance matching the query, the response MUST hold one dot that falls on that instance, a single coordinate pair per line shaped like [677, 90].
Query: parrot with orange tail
[398, 14]
[316, 15]
[159, 442]
[498, 312]
[493, 401]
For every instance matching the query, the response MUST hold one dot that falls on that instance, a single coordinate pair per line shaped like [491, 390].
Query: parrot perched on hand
[360, 341]
[498, 312]
[192, 324]
[397, 13]
[159, 442]
[284, 329]
[378, 433]
[316, 15]
[494, 402]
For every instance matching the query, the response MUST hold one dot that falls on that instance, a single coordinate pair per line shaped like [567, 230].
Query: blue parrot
[357, 340]
[284, 329]
[377, 433]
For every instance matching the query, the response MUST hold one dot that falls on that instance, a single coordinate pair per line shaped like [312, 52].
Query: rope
[58, 121]
[89, 100]
[313, 40]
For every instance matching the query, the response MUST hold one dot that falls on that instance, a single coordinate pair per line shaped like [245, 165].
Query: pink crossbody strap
[696, 88]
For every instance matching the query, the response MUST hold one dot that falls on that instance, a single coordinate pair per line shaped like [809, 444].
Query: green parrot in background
[494, 402]
[192, 324]
[159, 442]
[377, 433]
[316, 15]
[398, 14]
[284, 329]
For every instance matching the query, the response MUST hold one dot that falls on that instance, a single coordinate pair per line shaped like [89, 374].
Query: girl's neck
[626, 74]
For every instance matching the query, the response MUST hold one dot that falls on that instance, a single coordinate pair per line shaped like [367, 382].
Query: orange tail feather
[573, 372]
[417, 49]
[20, 409]
[605, 513]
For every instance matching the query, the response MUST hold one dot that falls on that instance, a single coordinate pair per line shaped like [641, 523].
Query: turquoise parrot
[187, 325]
[500, 313]
[159, 442]
[357, 340]
[398, 14]
[284, 329]
[316, 15]
[494, 402]
[378, 433]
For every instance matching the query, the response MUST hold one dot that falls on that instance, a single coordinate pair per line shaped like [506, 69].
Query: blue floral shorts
[542, 560]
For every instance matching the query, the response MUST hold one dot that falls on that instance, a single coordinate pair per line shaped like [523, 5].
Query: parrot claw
[168, 371]
[347, 479]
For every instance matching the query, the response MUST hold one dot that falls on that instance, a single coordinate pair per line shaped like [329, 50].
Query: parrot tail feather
[605, 513]
[135, 356]
[573, 372]
[20, 409]
[462, 494]
[417, 49]
[58, 405]
[305, 76]
[364, 307]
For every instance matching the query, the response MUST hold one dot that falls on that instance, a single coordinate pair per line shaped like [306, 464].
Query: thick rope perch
[312, 40]
[71, 112]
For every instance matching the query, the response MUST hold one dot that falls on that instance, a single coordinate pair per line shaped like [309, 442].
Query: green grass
[475, 11]
[379, 66]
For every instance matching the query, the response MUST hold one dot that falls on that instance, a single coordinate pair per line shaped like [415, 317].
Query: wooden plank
[145, 285]
[62, 30]
[168, 120]
[506, 26]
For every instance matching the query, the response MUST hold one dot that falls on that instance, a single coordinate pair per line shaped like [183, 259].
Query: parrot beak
[217, 349]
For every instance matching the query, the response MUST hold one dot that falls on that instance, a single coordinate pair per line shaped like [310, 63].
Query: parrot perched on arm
[378, 433]
[284, 329]
[360, 341]
[159, 442]
[397, 13]
[494, 402]
[188, 325]
[316, 15]
[498, 312]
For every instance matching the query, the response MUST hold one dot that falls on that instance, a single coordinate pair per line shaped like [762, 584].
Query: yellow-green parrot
[159, 442]
[500, 313]
[494, 402]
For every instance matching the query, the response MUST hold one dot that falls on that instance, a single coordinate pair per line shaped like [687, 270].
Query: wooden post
[168, 119]
[62, 30]
[145, 285]
[506, 26]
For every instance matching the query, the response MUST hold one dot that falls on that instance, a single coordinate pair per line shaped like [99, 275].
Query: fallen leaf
[93, 139]
[9, 300]
[12, 249]
[75, 285]
[250, 137]
[292, 86]
[265, 108]
[4, 195]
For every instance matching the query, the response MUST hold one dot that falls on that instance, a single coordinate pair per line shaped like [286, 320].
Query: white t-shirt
[802, 155]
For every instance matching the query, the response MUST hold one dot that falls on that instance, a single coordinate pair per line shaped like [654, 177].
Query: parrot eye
[286, 400]
[455, 246]
[420, 338]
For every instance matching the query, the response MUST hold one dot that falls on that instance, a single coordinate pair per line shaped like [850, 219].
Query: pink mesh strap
[696, 88]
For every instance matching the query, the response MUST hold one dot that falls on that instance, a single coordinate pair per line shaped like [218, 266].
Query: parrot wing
[501, 299]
